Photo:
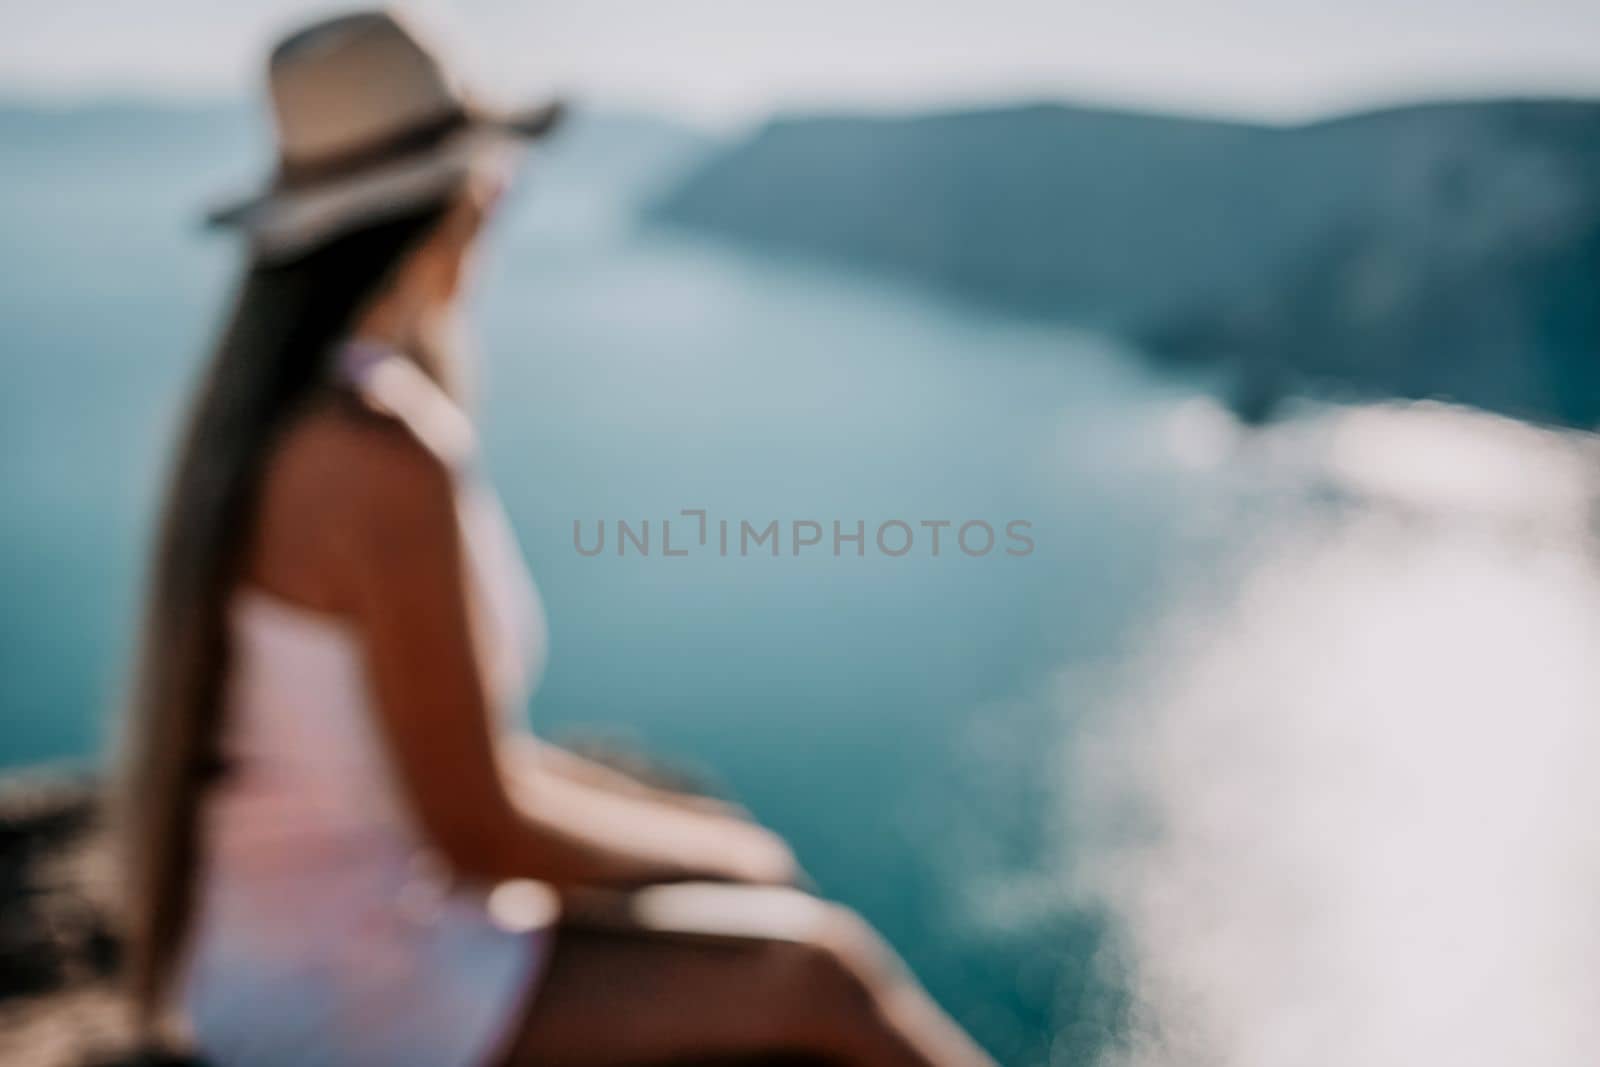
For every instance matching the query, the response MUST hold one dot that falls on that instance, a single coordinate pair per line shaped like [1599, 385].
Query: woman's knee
[845, 984]
[845, 958]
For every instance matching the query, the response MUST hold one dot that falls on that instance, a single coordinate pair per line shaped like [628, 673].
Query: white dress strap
[396, 385]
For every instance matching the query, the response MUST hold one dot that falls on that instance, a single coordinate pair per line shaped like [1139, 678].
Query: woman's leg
[620, 995]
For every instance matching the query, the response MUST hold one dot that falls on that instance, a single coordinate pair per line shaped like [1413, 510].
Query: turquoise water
[962, 748]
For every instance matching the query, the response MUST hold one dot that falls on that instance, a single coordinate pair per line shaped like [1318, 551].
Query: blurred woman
[343, 850]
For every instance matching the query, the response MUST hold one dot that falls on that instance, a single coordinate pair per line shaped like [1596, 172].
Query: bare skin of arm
[525, 756]
[359, 521]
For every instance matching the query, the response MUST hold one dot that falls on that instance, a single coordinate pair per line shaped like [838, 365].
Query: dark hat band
[413, 140]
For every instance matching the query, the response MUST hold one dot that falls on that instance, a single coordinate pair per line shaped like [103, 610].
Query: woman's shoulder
[340, 451]
[357, 445]
[345, 484]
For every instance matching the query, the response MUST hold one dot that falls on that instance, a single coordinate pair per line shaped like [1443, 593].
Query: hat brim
[532, 123]
[282, 220]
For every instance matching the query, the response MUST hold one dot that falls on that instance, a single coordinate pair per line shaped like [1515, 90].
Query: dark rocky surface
[58, 951]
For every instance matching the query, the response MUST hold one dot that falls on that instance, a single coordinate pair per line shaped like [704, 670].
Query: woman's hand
[526, 754]
[760, 857]
[703, 841]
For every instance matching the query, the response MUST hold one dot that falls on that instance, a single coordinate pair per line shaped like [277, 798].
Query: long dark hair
[274, 353]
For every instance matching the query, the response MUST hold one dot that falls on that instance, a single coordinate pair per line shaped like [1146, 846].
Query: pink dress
[327, 932]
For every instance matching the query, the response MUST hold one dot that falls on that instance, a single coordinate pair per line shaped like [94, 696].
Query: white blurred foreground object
[1368, 761]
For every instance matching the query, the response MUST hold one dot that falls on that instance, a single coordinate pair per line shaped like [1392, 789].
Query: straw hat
[370, 121]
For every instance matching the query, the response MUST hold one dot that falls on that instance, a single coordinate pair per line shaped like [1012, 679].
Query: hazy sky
[722, 60]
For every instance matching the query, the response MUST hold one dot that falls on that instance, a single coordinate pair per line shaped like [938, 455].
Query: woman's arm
[526, 757]
[401, 546]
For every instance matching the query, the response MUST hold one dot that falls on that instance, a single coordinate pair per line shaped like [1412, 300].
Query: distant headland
[1444, 250]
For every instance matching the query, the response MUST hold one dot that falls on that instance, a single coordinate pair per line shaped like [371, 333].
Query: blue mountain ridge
[1444, 250]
